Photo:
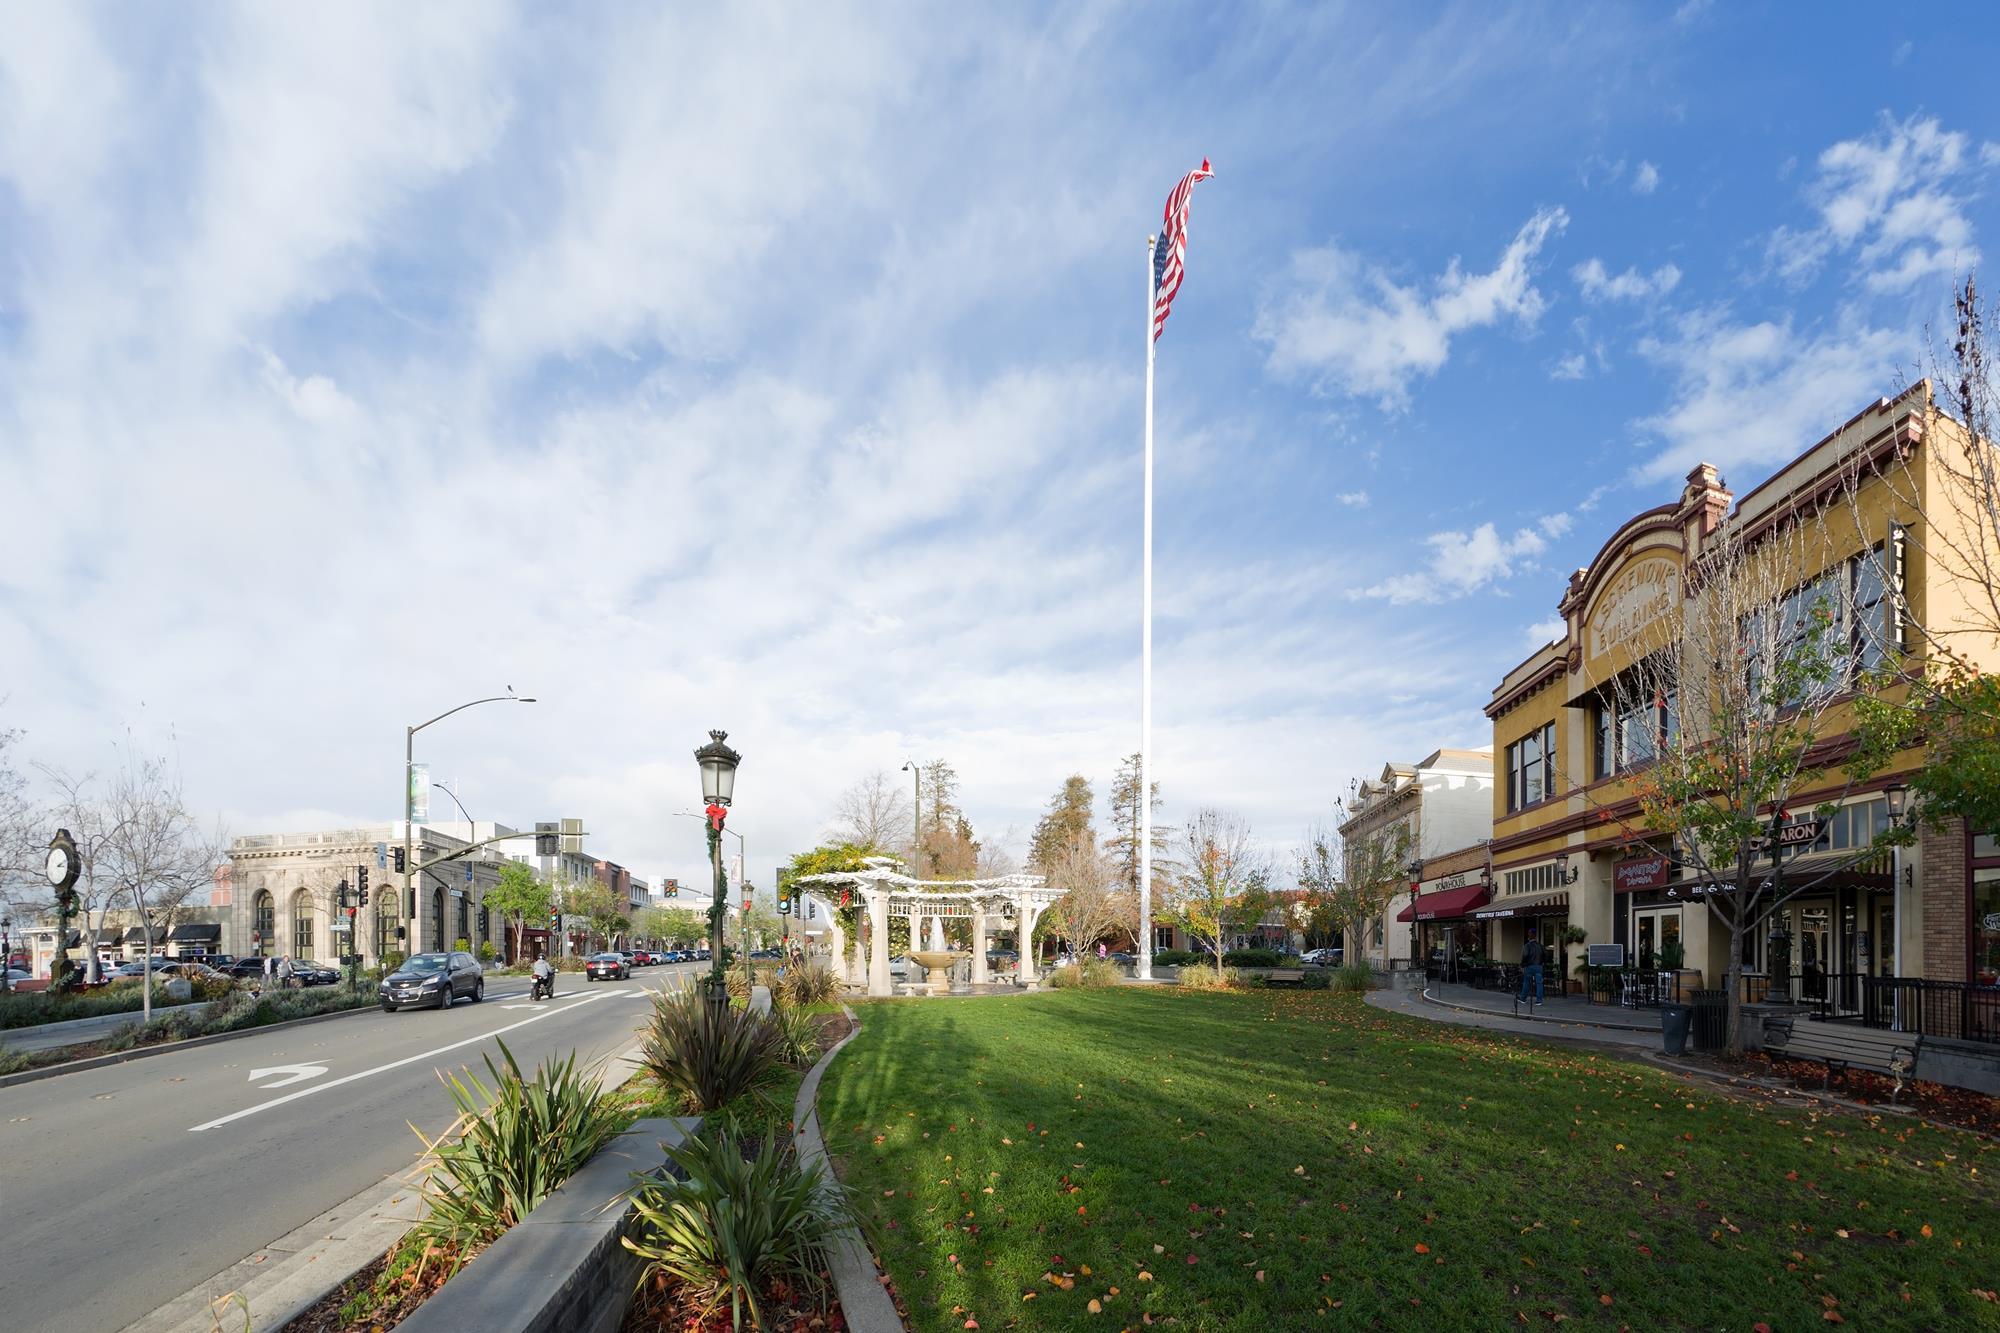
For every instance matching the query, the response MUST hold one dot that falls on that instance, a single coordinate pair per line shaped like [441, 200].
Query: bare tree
[1094, 902]
[22, 886]
[1722, 716]
[1223, 882]
[994, 858]
[874, 812]
[136, 844]
[1350, 881]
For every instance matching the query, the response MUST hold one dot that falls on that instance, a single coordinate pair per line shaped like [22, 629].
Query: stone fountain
[937, 965]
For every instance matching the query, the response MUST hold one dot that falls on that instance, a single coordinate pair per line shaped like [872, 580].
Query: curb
[1429, 998]
[864, 1301]
[320, 1255]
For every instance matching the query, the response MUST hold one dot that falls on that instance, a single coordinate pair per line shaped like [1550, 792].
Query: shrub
[707, 1058]
[741, 979]
[1090, 972]
[1315, 978]
[1254, 958]
[1353, 977]
[486, 951]
[732, 1229]
[808, 983]
[1177, 957]
[1203, 977]
[568, 962]
[520, 1139]
[798, 1031]
[392, 960]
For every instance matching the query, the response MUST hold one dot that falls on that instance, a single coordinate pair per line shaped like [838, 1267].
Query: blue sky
[779, 369]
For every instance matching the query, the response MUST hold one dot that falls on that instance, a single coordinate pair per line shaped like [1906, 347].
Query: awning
[1445, 906]
[137, 934]
[197, 930]
[1543, 904]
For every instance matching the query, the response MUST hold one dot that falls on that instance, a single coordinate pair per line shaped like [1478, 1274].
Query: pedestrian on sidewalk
[1531, 966]
[286, 972]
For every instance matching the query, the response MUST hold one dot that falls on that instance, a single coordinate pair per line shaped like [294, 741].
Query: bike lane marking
[383, 1069]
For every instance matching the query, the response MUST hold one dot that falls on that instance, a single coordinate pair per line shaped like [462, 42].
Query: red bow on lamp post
[716, 814]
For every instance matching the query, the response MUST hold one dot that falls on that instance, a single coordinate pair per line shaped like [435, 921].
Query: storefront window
[1986, 927]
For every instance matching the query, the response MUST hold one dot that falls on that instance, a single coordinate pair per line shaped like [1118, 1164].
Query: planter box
[562, 1269]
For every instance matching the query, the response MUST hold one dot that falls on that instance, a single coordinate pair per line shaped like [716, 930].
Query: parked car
[1005, 958]
[645, 957]
[1321, 957]
[16, 975]
[1123, 959]
[606, 967]
[433, 980]
[903, 967]
[311, 973]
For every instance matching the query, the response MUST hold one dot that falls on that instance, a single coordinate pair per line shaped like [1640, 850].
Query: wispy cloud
[1461, 563]
[1599, 285]
[1646, 179]
[1345, 324]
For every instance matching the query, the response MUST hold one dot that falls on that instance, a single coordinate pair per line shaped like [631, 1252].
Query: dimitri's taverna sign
[1641, 594]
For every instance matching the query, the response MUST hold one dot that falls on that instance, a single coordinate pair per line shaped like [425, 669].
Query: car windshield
[425, 962]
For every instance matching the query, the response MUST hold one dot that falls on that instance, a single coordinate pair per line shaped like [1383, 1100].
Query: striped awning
[1540, 904]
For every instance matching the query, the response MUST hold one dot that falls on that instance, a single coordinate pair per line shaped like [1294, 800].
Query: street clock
[62, 865]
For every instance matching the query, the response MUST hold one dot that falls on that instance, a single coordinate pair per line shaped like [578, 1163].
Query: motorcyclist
[545, 976]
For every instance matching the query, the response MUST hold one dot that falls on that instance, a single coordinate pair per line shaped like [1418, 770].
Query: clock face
[58, 866]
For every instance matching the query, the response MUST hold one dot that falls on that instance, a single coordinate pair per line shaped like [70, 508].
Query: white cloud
[1755, 394]
[1547, 631]
[1571, 367]
[1646, 179]
[1600, 285]
[1556, 525]
[1460, 563]
[1892, 198]
[1350, 328]
[1353, 499]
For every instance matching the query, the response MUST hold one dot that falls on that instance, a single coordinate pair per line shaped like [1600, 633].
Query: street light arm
[455, 801]
[495, 699]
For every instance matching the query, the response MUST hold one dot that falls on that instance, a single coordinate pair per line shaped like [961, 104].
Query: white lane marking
[378, 1069]
[292, 1074]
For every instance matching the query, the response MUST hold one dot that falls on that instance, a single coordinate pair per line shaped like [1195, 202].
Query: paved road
[124, 1186]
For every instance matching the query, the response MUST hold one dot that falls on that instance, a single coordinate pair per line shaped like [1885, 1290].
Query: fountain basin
[937, 965]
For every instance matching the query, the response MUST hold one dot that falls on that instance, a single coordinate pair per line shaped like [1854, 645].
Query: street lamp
[1897, 796]
[718, 784]
[916, 817]
[6, 952]
[1564, 875]
[742, 866]
[410, 794]
[1414, 871]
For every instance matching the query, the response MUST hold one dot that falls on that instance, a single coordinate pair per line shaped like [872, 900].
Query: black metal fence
[1953, 1009]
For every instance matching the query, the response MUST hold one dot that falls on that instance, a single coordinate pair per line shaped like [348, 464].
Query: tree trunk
[1733, 985]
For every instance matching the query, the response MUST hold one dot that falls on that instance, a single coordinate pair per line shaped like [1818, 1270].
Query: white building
[1446, 803]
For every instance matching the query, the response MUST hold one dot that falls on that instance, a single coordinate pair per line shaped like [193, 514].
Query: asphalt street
[124, 1186]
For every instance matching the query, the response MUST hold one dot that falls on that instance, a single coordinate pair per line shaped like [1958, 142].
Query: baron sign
[1802, 834]
[1640, 872]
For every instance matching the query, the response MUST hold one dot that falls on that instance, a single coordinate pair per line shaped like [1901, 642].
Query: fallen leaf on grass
[1423, 1248]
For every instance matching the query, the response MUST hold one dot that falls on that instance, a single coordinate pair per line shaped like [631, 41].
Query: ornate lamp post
[1414, 871]
[718, 785]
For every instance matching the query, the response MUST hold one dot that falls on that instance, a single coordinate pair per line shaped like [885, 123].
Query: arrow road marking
[380, 1069]
[292, 1073]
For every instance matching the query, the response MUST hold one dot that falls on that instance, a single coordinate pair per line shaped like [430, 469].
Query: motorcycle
[542, 988]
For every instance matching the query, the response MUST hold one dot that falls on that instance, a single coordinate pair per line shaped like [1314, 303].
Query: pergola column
[979, 977]
[1025, 917]
[878, 943]
[836, 939]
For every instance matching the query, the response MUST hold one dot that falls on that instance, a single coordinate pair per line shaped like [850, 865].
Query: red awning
[1446, 905]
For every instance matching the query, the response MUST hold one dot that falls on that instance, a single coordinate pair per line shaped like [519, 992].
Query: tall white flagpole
[1145, 964]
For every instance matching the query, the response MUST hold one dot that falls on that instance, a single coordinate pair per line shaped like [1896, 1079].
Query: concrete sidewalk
[1414, 1004]
[1554, 1009]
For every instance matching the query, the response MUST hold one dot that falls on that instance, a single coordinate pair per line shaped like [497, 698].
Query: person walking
[270, 970]
[1531, 966]
[286, 973]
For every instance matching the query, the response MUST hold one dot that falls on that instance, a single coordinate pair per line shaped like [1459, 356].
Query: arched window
[302, 925]
[437, 939]
[464, 923]
[264, 920]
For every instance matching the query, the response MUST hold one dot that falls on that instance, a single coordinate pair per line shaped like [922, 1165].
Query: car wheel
[444, 995]
[388, 1008]
[479, 990]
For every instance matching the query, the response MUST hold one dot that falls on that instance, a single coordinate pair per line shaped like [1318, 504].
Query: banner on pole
[420, 793]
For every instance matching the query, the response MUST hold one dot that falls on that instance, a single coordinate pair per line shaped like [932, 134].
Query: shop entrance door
[1657, 927]
[1815, 950]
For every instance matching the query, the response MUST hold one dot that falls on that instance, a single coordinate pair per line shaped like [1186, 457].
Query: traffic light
[364, 895]
[341, 889]
[402, 861]
[548, 837]
[784, 902]
[555, 919]
[361, 882]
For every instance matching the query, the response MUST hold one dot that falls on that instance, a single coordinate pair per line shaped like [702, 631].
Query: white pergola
[885, 892]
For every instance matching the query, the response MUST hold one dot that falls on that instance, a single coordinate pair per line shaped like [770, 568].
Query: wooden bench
[1844, 1046]
[1284, 976]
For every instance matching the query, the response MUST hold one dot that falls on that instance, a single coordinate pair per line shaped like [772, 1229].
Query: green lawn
[1275, 1160]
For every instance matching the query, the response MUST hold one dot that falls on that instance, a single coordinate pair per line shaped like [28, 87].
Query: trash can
[1674, 1020]
[1711, 1019]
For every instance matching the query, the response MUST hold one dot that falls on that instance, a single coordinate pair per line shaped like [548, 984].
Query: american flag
[1170, 255]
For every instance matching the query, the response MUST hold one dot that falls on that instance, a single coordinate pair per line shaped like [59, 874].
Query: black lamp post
[718, 786]
[1415, 871]
[6, 952]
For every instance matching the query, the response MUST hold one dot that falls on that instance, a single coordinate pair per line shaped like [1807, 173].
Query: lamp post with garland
[718, 786]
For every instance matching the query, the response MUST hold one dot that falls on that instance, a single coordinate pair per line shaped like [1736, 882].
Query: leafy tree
[1223, 883]
[518, 896]
[1371, 873]
[596, 905]
[1066, 827]
[679, 927]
